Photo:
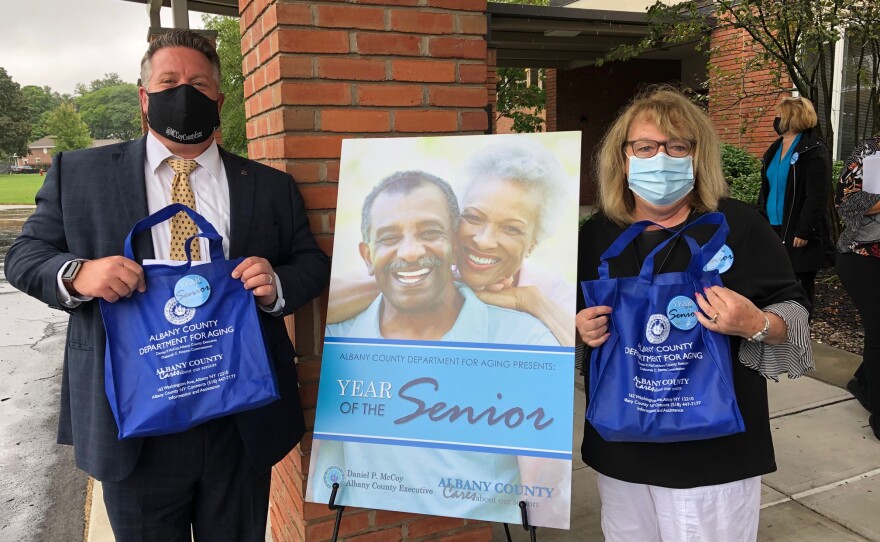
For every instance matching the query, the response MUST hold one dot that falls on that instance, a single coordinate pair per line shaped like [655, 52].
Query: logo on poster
[333, 475]
[657, 329]
[176, 313]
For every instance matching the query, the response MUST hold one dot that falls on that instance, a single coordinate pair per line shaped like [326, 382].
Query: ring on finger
[271, 279]
[714, 318]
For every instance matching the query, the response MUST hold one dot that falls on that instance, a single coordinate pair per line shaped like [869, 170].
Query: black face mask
[776, 123]
[183, 114]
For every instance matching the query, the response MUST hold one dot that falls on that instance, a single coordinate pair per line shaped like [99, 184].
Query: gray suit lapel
[132, 193]
[242, 191]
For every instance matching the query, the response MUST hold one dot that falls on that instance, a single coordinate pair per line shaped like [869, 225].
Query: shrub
[737, 162]
[742, 171]
[746, 187]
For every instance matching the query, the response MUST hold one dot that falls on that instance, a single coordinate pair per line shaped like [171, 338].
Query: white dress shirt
[211, 189]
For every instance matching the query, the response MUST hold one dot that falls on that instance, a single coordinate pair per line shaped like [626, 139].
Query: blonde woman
[795, 190]
[660, 162]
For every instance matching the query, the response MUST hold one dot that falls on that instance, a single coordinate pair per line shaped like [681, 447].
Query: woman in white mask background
[660, 161]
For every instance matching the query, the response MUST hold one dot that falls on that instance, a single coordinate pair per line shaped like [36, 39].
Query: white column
[179, 14]
[836, 87]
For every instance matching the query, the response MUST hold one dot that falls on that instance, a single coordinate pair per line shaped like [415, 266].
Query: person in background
[858, 265]
[660, 161]
[210, 482]
[796, 190]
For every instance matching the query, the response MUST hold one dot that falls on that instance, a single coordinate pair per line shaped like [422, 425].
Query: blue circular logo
[657, 329]
[722, 261]
[682, 312]
[192, 291]
[177, 314]
[333, 475]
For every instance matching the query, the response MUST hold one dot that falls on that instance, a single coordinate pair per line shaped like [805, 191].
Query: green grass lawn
[19, 189]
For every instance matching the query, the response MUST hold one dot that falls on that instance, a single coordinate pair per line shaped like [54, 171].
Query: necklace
[658, 270]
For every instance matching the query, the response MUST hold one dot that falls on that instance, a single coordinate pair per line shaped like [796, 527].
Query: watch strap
[69, 273]
[762, 334]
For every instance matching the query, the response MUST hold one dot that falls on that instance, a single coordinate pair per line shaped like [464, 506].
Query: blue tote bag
[187, 350]
[661, 376]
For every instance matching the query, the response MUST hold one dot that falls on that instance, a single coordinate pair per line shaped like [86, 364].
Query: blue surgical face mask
[661, 180]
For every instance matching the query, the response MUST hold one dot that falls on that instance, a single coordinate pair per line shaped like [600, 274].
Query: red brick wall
[492, 86]
[550, 104]
[741, 101]
[319, 72]
[37, 158]
[588, 99]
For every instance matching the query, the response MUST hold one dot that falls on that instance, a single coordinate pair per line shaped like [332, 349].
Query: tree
[232, 119]
[41, 101]
[515, 98]
[794, 38]
[68, 129]
[112, 111]
[109, 80]
[519, 101]
[14, 118]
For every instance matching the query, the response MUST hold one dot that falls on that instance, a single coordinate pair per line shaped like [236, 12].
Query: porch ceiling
[519, 32]
[214, 7]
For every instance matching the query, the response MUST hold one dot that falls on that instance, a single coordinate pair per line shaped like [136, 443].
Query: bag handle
[699, 256]
[207, 230]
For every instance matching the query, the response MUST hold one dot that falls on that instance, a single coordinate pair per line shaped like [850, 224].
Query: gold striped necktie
[182, 226]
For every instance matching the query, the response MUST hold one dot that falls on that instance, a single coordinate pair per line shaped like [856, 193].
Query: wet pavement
[43, 493]
[12, 217]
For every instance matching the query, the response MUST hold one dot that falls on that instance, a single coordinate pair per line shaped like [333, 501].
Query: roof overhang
[214, 7]
[558, 37]
[524, 36]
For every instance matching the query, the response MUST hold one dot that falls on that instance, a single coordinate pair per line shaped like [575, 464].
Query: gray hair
[405, 182]
[180, 38]
[529, 164]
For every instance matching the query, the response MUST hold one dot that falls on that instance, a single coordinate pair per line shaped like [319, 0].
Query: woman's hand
[592, 325]
[531, 300]
[729, 313]
[798, 242]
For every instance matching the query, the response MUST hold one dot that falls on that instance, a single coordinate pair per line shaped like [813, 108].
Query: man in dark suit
[211, 480]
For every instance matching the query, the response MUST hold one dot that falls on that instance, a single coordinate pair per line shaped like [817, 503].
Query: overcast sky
[60, 43]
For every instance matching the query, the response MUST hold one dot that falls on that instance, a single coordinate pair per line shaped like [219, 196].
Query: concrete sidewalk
[827, 488]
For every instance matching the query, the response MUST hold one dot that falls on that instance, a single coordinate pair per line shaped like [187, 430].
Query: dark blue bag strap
[700, 256]
[166, 213]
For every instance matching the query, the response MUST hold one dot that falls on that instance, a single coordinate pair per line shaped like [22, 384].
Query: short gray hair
[405, 182]
[180, 38]
[527, 163]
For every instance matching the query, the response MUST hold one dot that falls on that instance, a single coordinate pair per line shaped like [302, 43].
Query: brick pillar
[741, 100]
[492, 88]
[318, 72]
[550, 93]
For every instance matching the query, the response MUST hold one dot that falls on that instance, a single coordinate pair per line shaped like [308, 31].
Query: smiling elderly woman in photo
[506, 204]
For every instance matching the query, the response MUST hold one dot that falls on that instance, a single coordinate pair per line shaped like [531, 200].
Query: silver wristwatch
[761, 335]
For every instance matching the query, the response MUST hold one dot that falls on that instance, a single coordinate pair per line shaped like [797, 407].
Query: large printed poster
[448, 365]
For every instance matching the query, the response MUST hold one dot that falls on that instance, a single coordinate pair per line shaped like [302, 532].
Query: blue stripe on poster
[515, 398]
[445, 446]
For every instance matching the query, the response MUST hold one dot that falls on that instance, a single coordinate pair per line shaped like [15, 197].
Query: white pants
[643, 513]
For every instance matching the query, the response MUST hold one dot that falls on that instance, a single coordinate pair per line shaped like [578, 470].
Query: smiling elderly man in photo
[408, 226]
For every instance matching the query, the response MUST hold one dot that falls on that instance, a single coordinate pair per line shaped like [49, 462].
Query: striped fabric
[794, 356]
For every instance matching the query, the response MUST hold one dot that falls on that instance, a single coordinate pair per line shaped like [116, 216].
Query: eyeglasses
[646, 148]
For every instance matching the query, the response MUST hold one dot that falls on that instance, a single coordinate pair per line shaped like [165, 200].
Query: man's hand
[109, 278]
[257, 275]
